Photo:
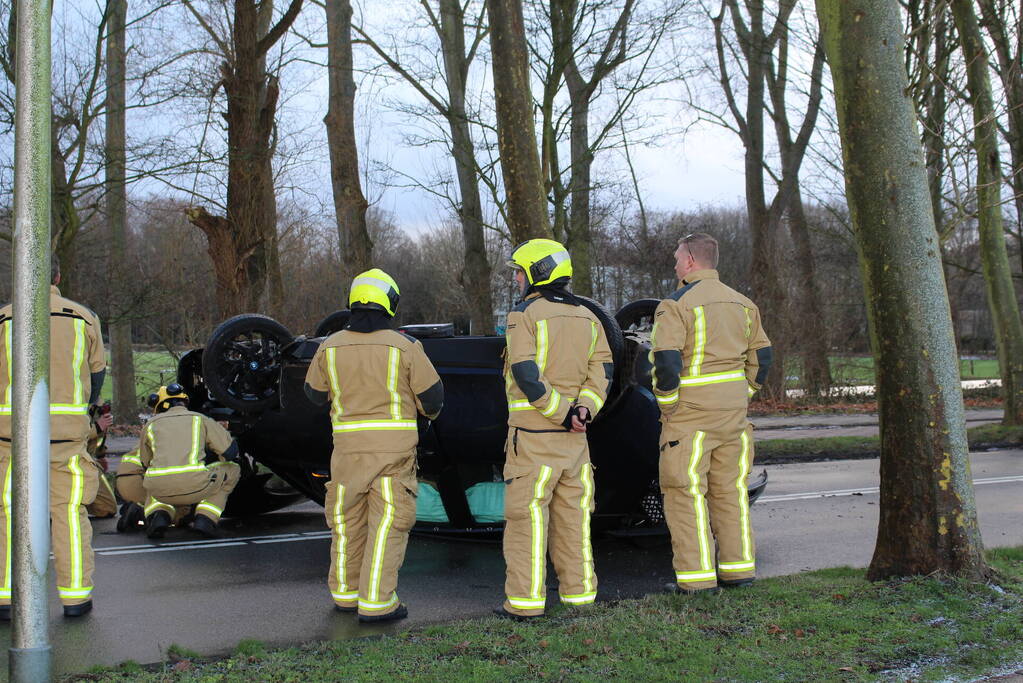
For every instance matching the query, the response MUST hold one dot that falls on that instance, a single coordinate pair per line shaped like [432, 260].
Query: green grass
[859, 370]
[152, 368]
[864, 446]
[829, 625]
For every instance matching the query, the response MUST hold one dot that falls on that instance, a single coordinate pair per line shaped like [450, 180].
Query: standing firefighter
[557, 371]
[185, 458]
[710, 355]
[77, 367]
[376, 380]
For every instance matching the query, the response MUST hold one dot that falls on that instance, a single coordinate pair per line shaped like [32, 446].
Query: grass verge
[828, 625]
[849, 447]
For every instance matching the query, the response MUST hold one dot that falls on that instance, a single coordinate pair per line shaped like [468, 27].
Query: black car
[251, 375]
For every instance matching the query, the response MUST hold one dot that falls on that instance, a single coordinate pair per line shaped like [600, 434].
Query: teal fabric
[486, 502]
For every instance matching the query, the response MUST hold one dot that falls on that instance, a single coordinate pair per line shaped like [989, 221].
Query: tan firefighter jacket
[376, 382]
[175, 442]
[76, 353]
[557, 356]
[709, 349]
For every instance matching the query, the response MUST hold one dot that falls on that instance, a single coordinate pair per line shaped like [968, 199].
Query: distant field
[853, 370]
[152, 368]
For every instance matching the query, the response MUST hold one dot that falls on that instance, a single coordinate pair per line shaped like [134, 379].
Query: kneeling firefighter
[185, 459]
[558, 368]
[376, 380]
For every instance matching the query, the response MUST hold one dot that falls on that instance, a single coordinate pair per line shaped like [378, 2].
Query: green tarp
[486, 502]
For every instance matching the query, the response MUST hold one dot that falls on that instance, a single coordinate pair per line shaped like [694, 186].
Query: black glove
[572, 412]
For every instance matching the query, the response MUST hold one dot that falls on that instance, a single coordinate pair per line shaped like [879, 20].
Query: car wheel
[241, 364]
[260, 493]
[335, 322]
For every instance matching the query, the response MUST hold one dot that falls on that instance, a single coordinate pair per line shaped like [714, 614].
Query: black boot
[736, 583]
[397, 614]
[132, 518]
[206, 526]
[157, 523]
[81, 609]
[676, 589]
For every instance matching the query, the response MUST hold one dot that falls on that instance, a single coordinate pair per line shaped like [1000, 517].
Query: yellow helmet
[160, 401]
[543, 261]
[374, 288]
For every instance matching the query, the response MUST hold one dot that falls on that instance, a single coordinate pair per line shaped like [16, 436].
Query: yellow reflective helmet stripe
[393, 364]
[586, 475]
[699, 503]
[335, 386]
[380, 540]
[541, 345]
[699, 341]
[538, 554]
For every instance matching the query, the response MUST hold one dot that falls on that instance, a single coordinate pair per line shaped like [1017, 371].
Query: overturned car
[251, 375]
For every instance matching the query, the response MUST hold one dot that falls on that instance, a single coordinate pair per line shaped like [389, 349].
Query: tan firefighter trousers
[370, 508]
[209, 490]
[549, 492]
[705, 458]
[74, 477]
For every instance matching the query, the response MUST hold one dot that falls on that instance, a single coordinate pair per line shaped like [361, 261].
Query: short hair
[54, 268]
[703, 247]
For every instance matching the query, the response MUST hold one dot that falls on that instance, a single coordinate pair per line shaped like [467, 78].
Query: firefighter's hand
[104, 421]
[580, 416]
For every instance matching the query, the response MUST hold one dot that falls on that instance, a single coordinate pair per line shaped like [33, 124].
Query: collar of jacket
[367, 320]
[558, 294]
[175, 410]
[54, 290]
[697, 275]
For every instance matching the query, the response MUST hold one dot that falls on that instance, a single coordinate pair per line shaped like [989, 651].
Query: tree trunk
[580, 238]
[350, 204]
[1001, 295]
[122, 363]
[816, 375]
[476, 273]
[928, 519]
[516, 135]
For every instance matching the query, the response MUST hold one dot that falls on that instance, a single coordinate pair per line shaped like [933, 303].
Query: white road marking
[868, 490]
[316, 535]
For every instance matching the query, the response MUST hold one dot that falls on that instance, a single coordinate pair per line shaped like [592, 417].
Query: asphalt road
[266, 579]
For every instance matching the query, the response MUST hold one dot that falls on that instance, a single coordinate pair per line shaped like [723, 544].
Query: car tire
[615, 341]
[258, 494]
[241, 363]
[335, 322]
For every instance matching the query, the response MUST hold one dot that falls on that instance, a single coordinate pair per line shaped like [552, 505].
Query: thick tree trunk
[1001, 295]
[928, 519]
[66, 221]
[475, 275]
[816, 375]
[580, 238]
[229, 257]
[122, 363]
[516, 134]
[350, 204]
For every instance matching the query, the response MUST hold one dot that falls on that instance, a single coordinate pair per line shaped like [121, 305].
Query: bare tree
[1001, 295]
[448, 21]
[119, 323]
[516, 131]
[243, 243]
[350, 204]
[928, 515]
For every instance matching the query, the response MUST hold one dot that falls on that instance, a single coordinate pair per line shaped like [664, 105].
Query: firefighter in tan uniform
[377, 380]
[186, 458]
[105, 504]
[710, 354]
[77, 368]
[557, 370]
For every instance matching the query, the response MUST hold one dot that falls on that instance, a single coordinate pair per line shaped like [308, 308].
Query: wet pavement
[265, 579]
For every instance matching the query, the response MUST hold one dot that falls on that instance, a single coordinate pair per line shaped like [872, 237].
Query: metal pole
[30, 651]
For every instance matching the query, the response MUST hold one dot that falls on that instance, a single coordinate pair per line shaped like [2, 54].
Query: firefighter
[77, 368]
[710, 355]
[376, 380]
[187, 459]
[557, 371]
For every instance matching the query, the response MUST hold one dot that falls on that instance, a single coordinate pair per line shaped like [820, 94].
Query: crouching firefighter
[557, 371]
[376, 380]
[187, 459]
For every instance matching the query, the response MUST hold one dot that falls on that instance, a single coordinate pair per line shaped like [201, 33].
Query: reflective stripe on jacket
[175, 442]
